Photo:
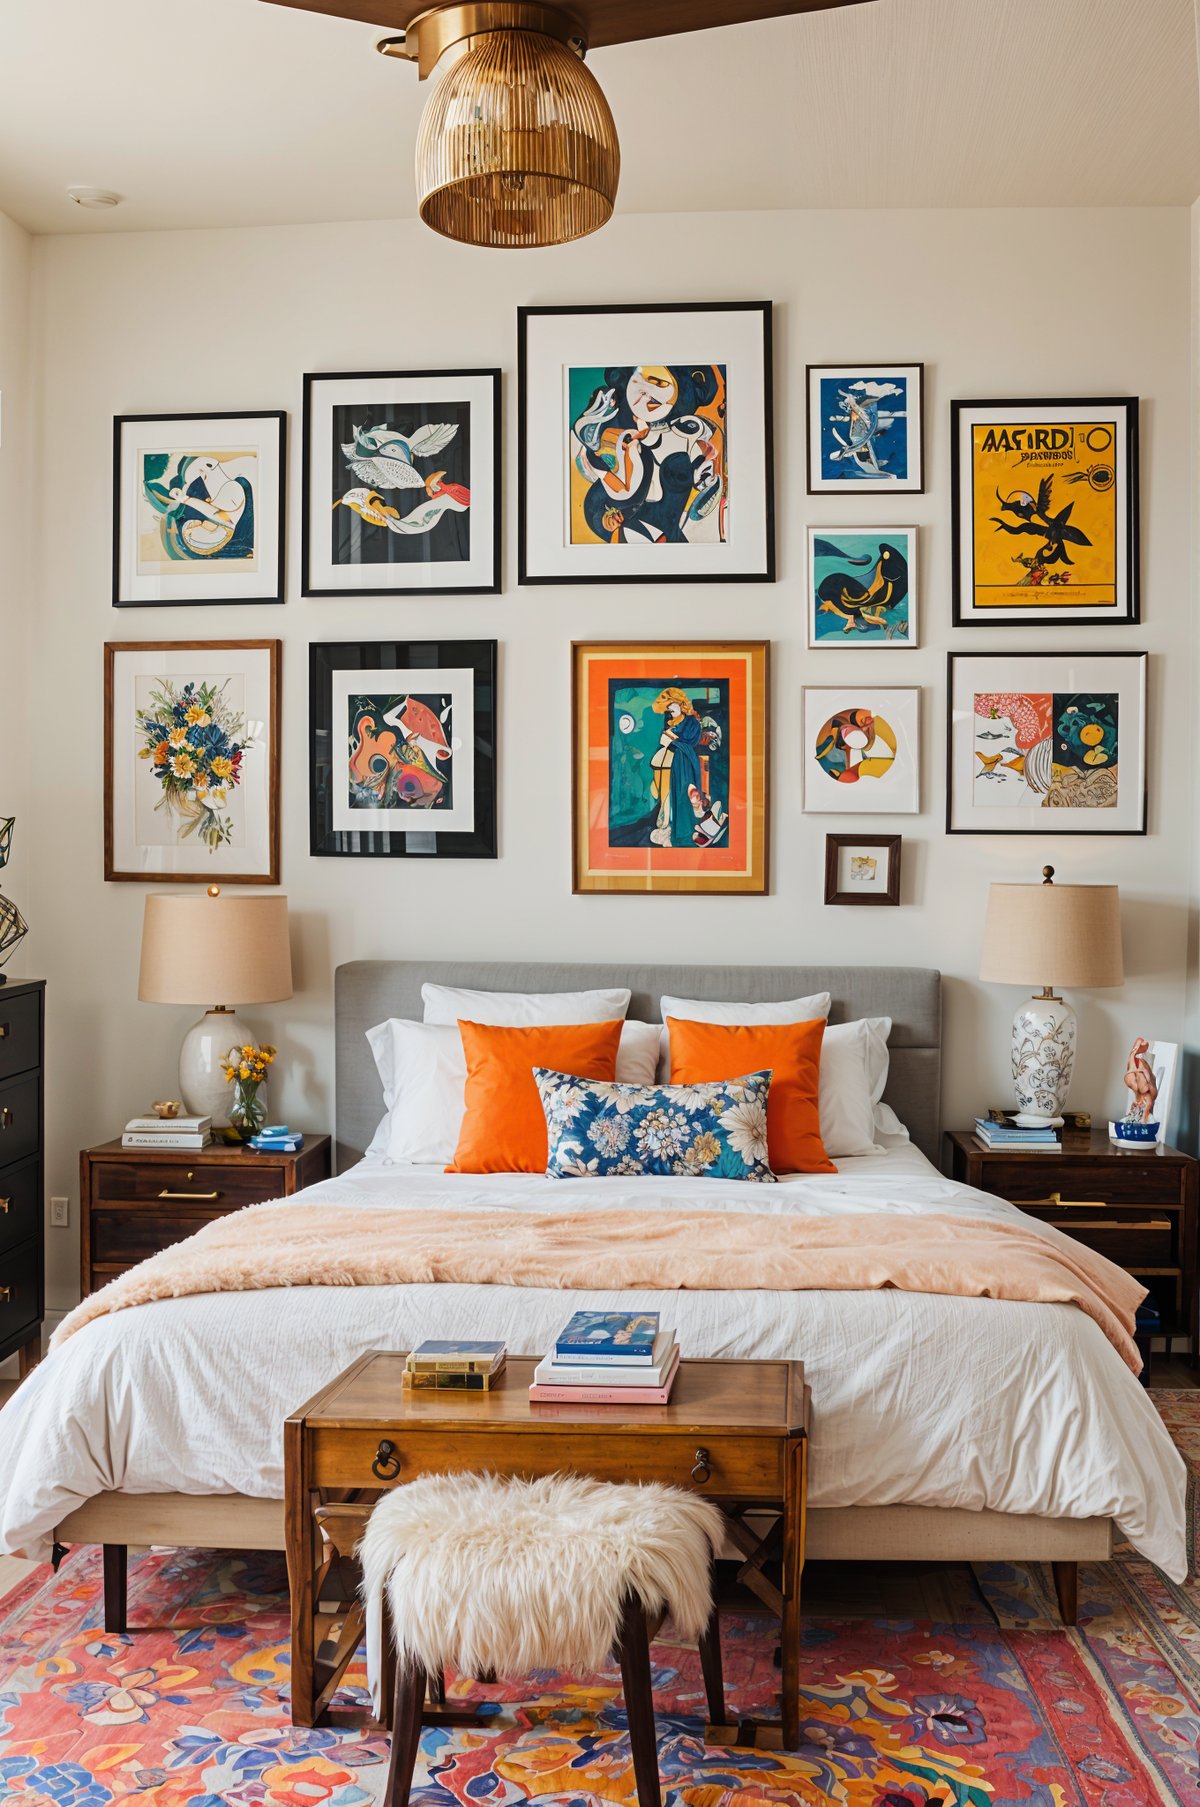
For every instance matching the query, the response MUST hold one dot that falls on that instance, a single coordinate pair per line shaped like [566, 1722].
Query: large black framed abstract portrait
[403, 749]
[646, 450]
[401, 483]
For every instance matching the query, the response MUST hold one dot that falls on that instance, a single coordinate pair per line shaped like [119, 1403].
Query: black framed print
[198, 508]
[403, 749]
[1046, 743]
[401, 492]
[1044, 498]
[646, 444]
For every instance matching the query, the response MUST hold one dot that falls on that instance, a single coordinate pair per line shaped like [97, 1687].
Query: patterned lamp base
[1043, 1059]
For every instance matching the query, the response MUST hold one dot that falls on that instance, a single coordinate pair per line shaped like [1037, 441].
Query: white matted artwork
[862, 586]
[192, 761]
[1149, 1082]
[198, 508]
[861, 749]
[1046, 743]
[646, 444]
[862, 868]
[427, 714]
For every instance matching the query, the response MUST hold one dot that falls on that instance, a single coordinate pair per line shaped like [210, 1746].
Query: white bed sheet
[917, 1399]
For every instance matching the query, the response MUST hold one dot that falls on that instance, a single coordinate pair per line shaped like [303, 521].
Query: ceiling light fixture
[94, 197]
[516, 146]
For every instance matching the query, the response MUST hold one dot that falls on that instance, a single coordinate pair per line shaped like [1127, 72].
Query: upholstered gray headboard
[369, 991]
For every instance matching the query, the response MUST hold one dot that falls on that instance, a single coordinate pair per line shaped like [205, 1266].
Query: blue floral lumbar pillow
[600, 1128]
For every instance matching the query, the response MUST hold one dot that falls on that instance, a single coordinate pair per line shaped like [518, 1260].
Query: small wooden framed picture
[866, 429]
[198, 508]
[862, 868]
[862, 586]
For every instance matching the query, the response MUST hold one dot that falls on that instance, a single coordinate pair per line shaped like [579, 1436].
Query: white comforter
[917, 1399]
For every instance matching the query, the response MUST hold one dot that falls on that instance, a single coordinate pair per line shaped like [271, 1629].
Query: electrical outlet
[60, 1213]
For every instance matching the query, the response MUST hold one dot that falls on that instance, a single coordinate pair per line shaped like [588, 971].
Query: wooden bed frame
[367, 992]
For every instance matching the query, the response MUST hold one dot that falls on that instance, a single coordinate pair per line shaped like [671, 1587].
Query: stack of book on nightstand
[998, 1130]
[609, 1358]
[277, 1138]
[167, 1132]
[455, 1366]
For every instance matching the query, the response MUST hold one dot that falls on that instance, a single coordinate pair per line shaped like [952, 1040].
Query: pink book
[607, 1395]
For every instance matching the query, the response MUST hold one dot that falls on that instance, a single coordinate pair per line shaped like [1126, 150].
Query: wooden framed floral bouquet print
[669, 767]
[403, 749]
[401, 491]
[198, 503]
[191, 761]
[1045, 512]
[646, 444]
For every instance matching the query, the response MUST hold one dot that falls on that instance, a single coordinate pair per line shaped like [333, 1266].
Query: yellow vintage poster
[1044, 514]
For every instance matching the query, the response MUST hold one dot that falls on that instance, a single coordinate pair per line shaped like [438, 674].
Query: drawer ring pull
[703, 1470]
[168, 1194]
[386, 1465]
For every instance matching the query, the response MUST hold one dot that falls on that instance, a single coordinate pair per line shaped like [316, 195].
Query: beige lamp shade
[1047, 934]
[207, 947]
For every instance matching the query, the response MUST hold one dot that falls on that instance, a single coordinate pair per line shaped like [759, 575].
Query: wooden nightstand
[1138, 1207]
[136, 1201]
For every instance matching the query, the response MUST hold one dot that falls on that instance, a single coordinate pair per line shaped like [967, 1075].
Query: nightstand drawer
[20, 1037]
[20, 1205]
[19, 1302]
[20, 1120]
[1135, 1240]
[122, 1240]
[202, 1184]
[1103, 1186]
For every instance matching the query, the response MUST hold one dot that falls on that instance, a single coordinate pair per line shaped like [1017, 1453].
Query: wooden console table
[736, 1431]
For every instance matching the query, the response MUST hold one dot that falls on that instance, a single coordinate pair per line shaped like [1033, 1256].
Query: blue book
[608, 1336]
[277, 1144]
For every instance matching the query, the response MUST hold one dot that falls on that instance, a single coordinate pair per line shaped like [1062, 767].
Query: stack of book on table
[167, 1132]
[998, 1130]
[277, 1138]
[456, 1365]
[609, 1358]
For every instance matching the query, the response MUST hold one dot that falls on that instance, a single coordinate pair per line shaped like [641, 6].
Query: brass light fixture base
[428, 37]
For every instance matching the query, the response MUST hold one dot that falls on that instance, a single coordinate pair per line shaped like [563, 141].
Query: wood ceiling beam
[607, 21]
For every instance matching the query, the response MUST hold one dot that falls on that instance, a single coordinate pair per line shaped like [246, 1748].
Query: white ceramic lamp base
[202, 1083]
[1043, 1060]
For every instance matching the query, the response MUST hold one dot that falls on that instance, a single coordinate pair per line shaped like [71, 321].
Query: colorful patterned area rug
[988, 1702]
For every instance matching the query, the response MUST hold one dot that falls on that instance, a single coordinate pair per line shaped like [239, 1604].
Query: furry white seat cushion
[508, 1575]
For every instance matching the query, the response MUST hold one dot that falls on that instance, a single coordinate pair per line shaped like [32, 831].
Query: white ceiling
[231, 112]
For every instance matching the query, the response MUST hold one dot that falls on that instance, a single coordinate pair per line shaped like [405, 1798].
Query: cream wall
[996, 303]
[16, 540]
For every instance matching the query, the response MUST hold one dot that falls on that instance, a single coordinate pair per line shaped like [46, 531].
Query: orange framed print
[669, 766]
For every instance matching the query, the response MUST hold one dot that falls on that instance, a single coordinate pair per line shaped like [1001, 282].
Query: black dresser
[22, 1212]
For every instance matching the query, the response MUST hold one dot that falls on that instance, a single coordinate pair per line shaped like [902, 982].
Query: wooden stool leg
[406, 1734]
[710, 1663]
[639, 1702]
[116, 1591]
[1066, 1586]
[437, 1687]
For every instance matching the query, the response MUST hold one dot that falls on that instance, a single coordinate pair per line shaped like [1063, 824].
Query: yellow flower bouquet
[245, 1070]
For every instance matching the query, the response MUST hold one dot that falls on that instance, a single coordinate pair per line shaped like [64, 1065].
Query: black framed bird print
[1045, 512]
[401, 483]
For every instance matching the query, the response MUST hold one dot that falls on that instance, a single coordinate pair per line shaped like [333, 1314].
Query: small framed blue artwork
[866, 429]
[862, 586]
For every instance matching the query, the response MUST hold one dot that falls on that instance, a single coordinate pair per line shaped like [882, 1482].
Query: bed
[947, 1428]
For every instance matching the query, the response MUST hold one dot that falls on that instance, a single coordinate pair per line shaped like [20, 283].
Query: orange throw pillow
[703, 1051]
[504, 1126]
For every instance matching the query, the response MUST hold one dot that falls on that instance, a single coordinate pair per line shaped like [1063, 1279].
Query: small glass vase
[248, 1111]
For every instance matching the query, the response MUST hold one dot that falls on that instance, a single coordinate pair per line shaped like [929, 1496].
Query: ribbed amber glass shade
[517, 145]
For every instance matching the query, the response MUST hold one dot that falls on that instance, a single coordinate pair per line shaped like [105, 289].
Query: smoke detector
[94, 197]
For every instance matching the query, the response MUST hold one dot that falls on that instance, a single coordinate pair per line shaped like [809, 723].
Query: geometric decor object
[7, 824]
[13, 928]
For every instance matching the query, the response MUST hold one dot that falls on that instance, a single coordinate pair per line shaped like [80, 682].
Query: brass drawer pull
[386, 1465]
[1056, 1202]
[4, 1206]
[168, 1194]
[1111, 1223]
[6, 1118]
[703, 1470]
[5, 1031]
[5, 1295]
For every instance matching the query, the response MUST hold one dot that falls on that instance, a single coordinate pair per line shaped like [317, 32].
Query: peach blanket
[628, 1250]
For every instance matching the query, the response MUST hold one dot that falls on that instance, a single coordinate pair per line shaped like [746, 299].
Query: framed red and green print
[669, 766]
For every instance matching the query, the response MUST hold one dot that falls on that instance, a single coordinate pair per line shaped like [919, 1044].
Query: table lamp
[202, 945]
[1070, 934]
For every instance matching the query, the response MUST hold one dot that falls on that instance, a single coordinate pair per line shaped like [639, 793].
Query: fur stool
[502, 1577]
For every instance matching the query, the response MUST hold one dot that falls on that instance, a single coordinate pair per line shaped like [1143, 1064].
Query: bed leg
[1066, 1586]
[116, 1576]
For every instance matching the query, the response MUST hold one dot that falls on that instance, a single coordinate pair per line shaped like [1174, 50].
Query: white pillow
[522, 1009]
[844, 1098]
[702, 1010]
[423, 1072]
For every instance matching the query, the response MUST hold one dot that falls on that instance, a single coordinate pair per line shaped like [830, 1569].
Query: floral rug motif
[995, 1705]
